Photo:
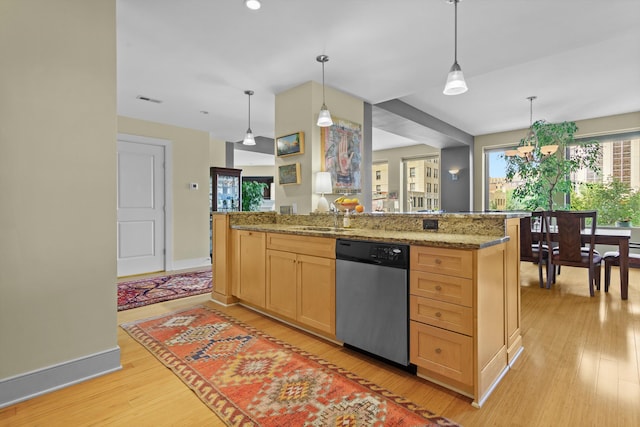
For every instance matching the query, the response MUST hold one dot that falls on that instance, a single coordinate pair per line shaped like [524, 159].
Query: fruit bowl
[346, 206]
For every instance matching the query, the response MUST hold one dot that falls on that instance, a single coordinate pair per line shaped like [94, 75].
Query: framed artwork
[290, 145]
[342, 155]
[289, 174]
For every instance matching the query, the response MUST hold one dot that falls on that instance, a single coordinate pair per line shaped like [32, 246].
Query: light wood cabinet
[249, 266]
[513, 302]
[301, 280]
[457, 317]
[221, 261]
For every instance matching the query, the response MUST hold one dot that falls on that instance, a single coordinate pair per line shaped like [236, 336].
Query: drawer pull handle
[438, 314]
[438, 261]
[438, 350]
[438, 288]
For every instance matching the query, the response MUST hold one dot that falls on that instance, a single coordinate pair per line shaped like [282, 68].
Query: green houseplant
[252, 194]
[541, 176]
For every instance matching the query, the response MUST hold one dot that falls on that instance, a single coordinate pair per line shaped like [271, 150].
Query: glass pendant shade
[455, 81]
[248, 138]
[324, 118]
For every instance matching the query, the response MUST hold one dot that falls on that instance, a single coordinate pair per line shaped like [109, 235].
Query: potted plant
[252, 195]
[542, 176]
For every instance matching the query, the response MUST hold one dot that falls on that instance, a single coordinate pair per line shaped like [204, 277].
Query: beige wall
[297, 110]
[190, 164]
[586, 128]
[257, 170]
[58, 182]
[394, 158]
[217, 152]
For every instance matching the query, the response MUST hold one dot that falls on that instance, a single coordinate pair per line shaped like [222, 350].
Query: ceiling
[581, 58]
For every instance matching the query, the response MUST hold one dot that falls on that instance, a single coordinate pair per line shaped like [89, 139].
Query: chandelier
[529, 145]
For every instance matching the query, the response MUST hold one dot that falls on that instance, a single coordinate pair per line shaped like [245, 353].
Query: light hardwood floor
[580, 367]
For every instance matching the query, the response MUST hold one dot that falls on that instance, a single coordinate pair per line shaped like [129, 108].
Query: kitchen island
[464, 316]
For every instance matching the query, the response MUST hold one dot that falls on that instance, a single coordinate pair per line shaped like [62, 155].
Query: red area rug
[251, 379]
[136, 293]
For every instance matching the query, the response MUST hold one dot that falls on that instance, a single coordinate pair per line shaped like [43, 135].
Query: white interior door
[141, 208]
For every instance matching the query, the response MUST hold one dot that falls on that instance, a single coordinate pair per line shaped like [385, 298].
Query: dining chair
[569, 231]
[613, 258]
[533, 249]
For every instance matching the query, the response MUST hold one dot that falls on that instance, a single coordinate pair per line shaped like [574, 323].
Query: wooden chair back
[568, 229]
[530, 248]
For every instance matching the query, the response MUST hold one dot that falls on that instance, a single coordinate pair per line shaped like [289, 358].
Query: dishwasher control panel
[381, 253]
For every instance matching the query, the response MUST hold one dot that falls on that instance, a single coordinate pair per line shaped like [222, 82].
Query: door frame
[168, 190]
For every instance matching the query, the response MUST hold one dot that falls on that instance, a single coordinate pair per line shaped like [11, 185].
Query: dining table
[610, 236]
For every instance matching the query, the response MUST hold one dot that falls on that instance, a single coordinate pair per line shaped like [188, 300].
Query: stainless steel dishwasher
[372, 298]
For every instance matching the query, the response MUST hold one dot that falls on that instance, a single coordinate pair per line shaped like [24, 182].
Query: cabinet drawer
[455, 290]
[452, 262]
[307, 245]
[443, 352]
[453, 317]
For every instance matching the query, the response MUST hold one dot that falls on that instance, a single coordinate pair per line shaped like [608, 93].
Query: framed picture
[289, 174]
[290, 145]
[342, 155]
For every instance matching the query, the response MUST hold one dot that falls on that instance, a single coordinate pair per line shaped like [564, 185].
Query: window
[620, 161]
[435, 173]
[379, 196]
[419, 183]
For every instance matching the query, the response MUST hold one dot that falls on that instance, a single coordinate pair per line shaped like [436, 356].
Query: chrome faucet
[332, 208]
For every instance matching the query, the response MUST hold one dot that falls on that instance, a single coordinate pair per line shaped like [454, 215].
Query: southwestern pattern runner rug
[137, 293]
[251, 379]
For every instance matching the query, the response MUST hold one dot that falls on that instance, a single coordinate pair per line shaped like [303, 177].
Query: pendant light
[248, 138]
[324, 118]
[530, 149]
[455, 80]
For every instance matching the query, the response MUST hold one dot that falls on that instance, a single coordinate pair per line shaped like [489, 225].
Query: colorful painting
[342, 155]
[290, 144]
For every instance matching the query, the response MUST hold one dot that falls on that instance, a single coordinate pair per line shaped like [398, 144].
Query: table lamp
[323, 185]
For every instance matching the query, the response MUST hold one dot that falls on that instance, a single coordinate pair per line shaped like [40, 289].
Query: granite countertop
[423, 238]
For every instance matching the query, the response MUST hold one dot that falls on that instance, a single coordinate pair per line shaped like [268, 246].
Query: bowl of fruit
[346, 204]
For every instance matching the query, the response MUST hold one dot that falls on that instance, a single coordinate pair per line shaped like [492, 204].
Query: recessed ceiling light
[252, 4]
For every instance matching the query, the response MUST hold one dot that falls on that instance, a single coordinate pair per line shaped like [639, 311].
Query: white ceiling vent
[146, 98]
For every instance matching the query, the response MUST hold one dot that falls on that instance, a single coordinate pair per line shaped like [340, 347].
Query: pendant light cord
[455, 36]
[323, 102]
[249, 122]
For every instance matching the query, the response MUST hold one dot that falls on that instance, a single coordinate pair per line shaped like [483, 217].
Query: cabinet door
[250, 266]
[281, 283]
[317, 293]
[221, 255]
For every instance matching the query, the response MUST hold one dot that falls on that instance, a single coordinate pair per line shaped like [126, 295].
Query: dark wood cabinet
[225, 189]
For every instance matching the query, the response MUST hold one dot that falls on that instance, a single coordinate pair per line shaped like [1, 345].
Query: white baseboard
[35, 383]
[184, 264]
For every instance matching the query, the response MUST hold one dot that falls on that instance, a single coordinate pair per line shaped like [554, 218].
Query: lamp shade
[248, 138]
[323, 182]
[455, 81]
[324, 118]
